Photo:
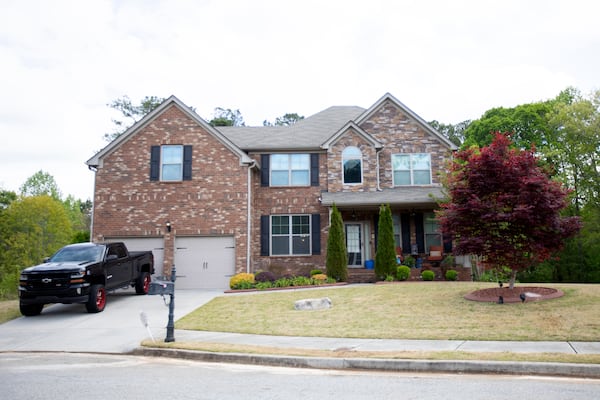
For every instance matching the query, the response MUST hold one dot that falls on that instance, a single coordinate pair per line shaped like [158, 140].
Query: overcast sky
[62, 62]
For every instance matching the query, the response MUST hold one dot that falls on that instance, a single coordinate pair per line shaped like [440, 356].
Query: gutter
[249, 215]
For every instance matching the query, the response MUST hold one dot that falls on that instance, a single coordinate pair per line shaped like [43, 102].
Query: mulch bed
[531, 293]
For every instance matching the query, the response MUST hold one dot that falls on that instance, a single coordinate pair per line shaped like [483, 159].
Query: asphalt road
[96, 376]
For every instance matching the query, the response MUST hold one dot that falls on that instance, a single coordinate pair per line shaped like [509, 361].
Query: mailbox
[161, 287]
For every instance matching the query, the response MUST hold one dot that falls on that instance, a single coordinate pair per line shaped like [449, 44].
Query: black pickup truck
[83, 273]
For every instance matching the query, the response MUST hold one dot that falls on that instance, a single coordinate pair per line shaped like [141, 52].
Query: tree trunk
[513, 278]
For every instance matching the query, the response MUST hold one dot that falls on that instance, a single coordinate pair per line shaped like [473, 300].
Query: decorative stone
[313, 304]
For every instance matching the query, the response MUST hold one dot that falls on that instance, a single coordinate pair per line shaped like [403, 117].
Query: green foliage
[403, 272]
[227, 117]
[131, 112]
[427, 275]
[409, 261]
[385, 256]
[285, 120]
[264, 285]
[502, 274]
[39, 184]
[301, 281]
[315, 272]
[337, 256]
[389, 278]
[451, 275]
[31, 228]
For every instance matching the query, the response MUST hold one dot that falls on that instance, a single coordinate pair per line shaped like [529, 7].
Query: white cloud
[63, 61]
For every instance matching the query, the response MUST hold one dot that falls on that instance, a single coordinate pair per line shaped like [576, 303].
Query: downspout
[377, 167]
[249, 216]
[94, 169]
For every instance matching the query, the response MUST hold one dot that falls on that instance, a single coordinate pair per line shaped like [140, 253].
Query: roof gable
[361, 132]
[428, 128]
[96, 160]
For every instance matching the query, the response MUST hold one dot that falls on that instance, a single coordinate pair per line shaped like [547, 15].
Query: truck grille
[41, 282]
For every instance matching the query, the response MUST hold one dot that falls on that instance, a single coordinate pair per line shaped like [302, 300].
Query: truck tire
[97, 299]
[30, 310]
[142, 283]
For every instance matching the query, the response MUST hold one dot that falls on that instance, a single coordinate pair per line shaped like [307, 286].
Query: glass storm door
[354, 244]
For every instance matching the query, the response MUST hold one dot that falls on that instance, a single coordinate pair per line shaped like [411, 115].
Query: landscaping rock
[313, 304]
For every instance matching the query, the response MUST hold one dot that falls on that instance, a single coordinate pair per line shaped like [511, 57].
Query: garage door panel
[156, 245]
[204, 262]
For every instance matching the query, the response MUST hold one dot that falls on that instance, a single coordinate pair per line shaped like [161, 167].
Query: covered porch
[415, 226]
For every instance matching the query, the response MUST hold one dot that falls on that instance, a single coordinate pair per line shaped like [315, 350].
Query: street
[97, 376]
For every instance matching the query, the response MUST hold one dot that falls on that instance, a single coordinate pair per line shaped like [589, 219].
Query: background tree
[454, 133]
[385, 255]
[31, 228]
[130, 113]
[6, 197]
[227, 117]
[336, 261]
[285, 120]
[504, 206]
[41, 183]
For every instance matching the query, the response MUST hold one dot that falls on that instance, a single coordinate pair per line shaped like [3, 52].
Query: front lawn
[420, 310]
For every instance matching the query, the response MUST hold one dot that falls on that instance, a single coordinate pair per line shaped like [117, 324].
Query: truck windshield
[78, 254]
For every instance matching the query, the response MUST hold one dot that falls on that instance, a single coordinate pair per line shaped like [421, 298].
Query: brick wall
[288, 200]
[401, 134]
[214, 202]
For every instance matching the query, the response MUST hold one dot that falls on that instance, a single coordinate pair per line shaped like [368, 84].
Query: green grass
[432, 310]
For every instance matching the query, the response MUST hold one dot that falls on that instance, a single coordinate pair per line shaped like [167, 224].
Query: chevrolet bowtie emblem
[47, 280]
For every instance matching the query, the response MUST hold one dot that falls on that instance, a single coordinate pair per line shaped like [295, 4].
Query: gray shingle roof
[413, 196]
[307, 134]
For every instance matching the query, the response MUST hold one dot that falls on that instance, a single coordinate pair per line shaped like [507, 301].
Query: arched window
[352, 165]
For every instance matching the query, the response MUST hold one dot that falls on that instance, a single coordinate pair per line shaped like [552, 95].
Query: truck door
[118, 266]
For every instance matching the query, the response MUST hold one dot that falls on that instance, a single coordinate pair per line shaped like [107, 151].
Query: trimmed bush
[336, 260]
[427, 275]
[385, 256]
[315, 272]
[242, 281]
[264, 276]
[451, 275]
[402, 273]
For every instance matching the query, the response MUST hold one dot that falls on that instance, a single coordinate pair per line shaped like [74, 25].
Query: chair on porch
[436, 255]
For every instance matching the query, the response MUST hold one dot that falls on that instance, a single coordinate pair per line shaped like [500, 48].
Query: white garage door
[204, 262]
[144, 244]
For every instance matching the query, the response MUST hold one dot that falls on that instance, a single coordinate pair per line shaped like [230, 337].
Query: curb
[379, 364]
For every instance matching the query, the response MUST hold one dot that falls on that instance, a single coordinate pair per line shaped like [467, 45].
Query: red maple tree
[503, 205]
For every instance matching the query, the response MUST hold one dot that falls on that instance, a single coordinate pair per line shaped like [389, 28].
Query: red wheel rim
[146, 283]
[101, 298]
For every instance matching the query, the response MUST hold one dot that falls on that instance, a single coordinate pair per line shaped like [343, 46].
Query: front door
[354, 239]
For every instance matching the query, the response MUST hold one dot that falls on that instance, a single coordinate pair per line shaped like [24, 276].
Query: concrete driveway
[118, 329]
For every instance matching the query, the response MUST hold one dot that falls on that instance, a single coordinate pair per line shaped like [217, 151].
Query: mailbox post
[171, 324]
[167, 288]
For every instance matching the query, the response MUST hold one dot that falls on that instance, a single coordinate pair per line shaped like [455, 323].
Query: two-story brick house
[217, 201]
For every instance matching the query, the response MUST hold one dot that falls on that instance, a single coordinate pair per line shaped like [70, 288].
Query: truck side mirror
[111, 257]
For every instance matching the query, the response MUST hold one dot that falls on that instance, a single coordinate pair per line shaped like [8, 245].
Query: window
[352, 165]
[412, 169]
[290, 169]
[171, 163]
[290, 235]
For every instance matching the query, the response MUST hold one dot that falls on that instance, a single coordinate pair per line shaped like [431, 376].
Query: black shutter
[264, 169]
[154, 163]
[405, 228]
[316, 234]
[187, 163]
[264, 235]
[314, 169]
[420, 232]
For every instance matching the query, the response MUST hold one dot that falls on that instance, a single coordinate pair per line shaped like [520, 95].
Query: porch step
[361, 275]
